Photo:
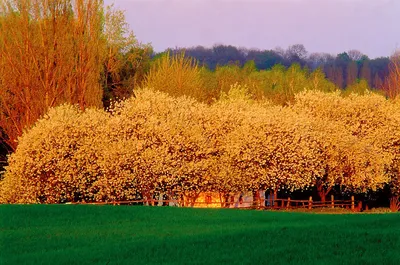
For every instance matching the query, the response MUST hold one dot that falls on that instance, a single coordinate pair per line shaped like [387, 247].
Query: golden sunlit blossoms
[157, 144]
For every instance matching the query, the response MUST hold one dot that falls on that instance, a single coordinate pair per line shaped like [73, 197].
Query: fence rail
[310, 204]
[287, 203]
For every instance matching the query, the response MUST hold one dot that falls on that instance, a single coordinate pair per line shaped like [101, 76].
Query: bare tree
[355, 55]
[297, 51]
[317, 59]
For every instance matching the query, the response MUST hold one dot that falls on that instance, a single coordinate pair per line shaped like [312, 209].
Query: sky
[332, 26]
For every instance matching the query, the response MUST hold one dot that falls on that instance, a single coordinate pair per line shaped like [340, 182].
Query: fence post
[333, 201]
[352, 202]
[310, 203]
[288, 203]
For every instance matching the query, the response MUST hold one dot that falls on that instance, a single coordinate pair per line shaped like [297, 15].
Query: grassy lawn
[77, 234]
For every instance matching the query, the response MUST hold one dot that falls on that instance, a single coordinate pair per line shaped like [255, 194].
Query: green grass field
[77, 234]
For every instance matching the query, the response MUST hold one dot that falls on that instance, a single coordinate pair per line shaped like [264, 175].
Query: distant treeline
[343, 69]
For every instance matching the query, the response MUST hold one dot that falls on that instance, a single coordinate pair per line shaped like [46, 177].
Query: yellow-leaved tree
[177, 75]
[57, 160]
[389, 135]
[269, 147]
[345, 130]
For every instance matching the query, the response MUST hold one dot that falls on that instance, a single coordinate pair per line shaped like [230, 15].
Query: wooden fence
[310, 204]
[277, 204]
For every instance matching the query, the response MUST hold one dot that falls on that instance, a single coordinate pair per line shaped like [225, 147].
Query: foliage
[57, 160]
[51, 52]
[342, 69]
[176, 75]
[278, 84]
[127, 60]
[272, 148]
[55, 52]
[180, 147]
[350, 136]
[360, 87]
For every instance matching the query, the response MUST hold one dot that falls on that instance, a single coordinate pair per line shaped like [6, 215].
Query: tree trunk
[322, 191]
[146, 195]
[322, 195]
[221, 196]
[193, 196]
[226, 200]
[256, 198]
[232, 202]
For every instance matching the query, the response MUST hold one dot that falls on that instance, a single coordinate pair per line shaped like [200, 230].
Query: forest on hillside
[86, 109]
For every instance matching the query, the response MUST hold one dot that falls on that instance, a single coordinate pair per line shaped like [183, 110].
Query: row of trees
[179, 74]
[343, 69]
[80, 52]
[156, 142]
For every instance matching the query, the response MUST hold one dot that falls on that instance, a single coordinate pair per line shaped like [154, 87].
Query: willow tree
[50, 52]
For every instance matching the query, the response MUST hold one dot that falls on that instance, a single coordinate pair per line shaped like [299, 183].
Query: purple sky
[333, 26]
